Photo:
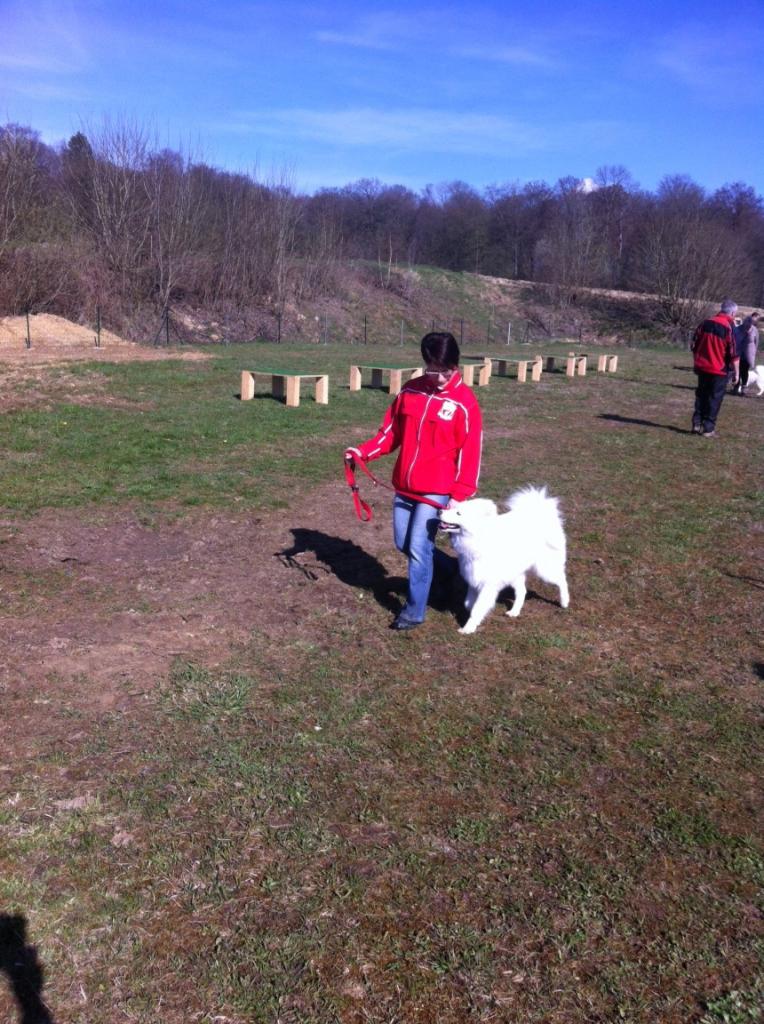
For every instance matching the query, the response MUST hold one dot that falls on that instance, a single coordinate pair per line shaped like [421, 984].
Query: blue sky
[409, 93]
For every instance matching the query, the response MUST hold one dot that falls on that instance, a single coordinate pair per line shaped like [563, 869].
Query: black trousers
[744, 369]
[708, 399]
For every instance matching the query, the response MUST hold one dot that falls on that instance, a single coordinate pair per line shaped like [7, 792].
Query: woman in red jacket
[436, 426]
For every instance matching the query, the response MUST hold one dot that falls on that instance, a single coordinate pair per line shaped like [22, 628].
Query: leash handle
[362, 510]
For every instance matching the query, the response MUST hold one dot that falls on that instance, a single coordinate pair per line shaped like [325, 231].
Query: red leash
[362, 510]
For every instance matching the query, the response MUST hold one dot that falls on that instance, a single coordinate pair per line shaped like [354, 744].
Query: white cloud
[43, 37]
[517, 56]
[374, 32]
[709, 60]
[406, 129]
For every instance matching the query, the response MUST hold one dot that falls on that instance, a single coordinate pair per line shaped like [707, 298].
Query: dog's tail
[532, 499]
[538, 507]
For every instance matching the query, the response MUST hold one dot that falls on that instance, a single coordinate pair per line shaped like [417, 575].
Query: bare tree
[685, 259]
[109, 198]
[19, 182]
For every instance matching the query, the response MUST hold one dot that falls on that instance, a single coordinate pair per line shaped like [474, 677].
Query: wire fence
[176, 328]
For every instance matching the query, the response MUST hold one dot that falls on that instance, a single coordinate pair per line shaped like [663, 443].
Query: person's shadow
[345, 560]
[615, 418]
[19, 963]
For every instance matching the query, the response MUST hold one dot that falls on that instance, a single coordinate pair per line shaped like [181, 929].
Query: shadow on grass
[758, 667]
[755, 581]
[345, 560]
[19, 963]
[615, 418]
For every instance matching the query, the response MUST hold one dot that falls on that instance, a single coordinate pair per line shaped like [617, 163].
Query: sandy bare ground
[57, 340]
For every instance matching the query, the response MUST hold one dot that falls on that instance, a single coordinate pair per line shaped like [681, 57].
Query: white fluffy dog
[496, 551]
[756, 379]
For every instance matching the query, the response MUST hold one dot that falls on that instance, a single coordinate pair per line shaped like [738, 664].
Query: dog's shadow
[345, 560]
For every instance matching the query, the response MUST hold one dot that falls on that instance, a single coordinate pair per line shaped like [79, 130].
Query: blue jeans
[415, 526]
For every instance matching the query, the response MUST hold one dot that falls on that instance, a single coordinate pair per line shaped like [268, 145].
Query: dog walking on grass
[497, 550]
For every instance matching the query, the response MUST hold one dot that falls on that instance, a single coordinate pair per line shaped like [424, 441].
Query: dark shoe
[400, 624]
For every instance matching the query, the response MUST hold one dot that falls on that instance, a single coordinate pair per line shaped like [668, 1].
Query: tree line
[112, 218]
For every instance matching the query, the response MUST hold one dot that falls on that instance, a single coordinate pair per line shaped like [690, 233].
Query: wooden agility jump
[378, 371]
[285, 384]
[521, 366]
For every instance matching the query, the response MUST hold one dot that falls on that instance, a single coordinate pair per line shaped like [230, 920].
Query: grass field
[301, 816]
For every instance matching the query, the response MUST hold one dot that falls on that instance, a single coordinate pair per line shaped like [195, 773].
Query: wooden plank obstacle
[502, 366]
[377, 375]
[607, 364]
[575, 363]
[282, 381]
[471, 363]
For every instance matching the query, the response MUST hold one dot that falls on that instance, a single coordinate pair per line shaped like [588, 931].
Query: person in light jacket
[747, 344]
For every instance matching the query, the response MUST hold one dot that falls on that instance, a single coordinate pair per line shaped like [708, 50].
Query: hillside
[366, 303]
[380, 305]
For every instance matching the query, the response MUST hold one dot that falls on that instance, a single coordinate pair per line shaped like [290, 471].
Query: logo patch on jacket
[447, 411]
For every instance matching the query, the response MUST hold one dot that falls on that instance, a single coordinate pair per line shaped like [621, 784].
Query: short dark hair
[440, 348]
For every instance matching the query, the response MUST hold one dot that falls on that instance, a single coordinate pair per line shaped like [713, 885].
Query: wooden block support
[395, 381]
[355, 378]
[607, 364]
[322, 389]
[575, 364]
[247, 386]
[538, 366]
[293, 392]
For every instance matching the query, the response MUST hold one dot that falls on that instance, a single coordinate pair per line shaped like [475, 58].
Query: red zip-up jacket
[440, 437]
[713, 345]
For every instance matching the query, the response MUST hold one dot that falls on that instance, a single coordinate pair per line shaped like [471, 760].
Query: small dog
[756, 378]
[496, 551]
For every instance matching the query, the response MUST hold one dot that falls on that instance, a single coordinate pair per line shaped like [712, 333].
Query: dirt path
[95, 606]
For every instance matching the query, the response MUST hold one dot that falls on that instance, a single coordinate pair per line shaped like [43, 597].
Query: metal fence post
[29, 336]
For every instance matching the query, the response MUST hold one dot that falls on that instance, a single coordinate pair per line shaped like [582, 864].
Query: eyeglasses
[440, 373]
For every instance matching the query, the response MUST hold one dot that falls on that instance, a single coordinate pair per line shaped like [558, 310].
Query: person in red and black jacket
[436, 426]
[713, 349]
